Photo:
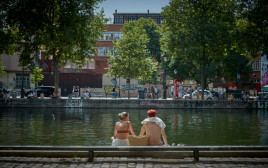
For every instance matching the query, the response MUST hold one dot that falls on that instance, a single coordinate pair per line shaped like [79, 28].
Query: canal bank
[133, 104]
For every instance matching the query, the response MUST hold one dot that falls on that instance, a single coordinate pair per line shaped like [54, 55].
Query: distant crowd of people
[152, 92]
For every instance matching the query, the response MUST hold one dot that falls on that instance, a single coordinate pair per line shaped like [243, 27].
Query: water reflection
[72, 126]
[263, 119]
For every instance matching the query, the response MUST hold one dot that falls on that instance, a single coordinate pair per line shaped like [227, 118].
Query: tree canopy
[154, 34]
[252, 27]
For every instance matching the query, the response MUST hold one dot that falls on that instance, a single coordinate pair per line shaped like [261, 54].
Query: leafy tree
[65, 30]
[153, 33]
[37, 76]
[130, 59]
[232, 64]
[252, 27]
[153, 46]
[198, 30]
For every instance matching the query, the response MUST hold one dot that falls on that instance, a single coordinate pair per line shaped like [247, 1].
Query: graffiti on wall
[74, 103]
[150, 104]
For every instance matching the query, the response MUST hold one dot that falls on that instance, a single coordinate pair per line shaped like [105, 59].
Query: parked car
[46, 90]
[207, 95]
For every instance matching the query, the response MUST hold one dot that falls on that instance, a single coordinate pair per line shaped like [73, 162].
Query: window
[256, 66]
[26, 81]
[117, 35]
[118, 20]
[103, 51]
[109, 36]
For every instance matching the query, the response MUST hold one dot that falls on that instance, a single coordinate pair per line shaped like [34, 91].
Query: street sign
[114, 81]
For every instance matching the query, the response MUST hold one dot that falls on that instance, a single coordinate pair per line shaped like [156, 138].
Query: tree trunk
[56, 77]
[36, 63]
[164, 85]
[203, 72]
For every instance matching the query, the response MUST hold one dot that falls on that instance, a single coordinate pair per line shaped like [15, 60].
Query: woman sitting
[121, 130]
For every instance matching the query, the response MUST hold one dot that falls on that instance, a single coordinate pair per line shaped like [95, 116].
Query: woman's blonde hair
[122, 115]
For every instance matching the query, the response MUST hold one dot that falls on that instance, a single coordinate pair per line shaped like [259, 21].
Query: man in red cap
[154, 128]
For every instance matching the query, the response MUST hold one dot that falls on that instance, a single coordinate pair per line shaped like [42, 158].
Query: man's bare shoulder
[152, 124]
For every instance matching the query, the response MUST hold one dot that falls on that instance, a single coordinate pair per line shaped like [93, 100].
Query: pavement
[132, 162]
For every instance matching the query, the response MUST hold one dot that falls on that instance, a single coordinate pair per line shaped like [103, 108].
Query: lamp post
[22, 84]
[164, 77]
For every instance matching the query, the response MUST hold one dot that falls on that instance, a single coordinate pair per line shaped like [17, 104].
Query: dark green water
[52, 126]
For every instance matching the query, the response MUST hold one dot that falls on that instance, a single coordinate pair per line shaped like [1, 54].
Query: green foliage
[153, 33]
[36, 75]
[184, 68]
[8, 40]
[7, 34]
[2, 68]
[130, 59]
[153, 46]
[251, 31]
[235, 63]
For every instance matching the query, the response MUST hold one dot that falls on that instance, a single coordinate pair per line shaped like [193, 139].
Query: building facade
[16, 77]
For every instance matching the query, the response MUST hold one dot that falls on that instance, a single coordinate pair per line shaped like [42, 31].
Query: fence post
[90, 155]
[196, 155]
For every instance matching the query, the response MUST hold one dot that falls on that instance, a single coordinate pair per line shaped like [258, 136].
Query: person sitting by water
[31, 95]
[7, 96]
[245, 97]
[121, 130]
[154, 128]
[86, 95]
[54, 96]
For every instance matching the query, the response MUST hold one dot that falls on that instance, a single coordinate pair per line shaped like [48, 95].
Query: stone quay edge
[133, 104]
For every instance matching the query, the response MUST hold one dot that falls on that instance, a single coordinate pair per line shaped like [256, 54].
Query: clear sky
[132, 6]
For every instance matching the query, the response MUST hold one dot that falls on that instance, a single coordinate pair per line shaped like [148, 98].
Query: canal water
[70, 126]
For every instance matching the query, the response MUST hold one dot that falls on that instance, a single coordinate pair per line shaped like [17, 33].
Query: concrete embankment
[133, 103]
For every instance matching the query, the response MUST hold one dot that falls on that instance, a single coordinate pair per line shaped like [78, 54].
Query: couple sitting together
[153, 126]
